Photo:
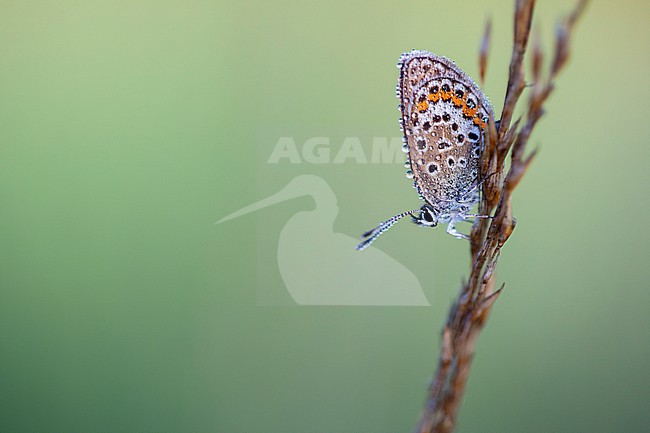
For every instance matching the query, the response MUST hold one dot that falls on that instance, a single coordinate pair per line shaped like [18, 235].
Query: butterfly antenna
[370, 236]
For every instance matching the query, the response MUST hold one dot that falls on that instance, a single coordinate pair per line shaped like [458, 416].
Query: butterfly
[444, 115]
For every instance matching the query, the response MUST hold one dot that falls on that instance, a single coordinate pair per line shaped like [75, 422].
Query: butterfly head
[426, 218]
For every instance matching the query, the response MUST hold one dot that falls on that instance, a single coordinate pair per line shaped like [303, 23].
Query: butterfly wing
[444, 116]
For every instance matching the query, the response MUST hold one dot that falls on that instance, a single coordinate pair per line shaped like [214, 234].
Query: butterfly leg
[455, 233]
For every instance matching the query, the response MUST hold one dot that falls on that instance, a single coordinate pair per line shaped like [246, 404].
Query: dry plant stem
[477, 296]
[485, 48]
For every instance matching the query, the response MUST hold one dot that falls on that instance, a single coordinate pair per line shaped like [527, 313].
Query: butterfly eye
[426, 218]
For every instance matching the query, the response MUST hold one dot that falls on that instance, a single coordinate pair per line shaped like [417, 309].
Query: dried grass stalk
[477, 296]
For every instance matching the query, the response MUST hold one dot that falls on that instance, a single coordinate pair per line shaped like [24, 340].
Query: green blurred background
[129, 127]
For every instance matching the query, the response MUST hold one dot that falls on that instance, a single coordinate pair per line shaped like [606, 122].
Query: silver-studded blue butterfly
[444, 116]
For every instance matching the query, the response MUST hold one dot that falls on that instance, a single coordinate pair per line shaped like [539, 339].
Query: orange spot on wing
[470, 112]
[457, 101]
